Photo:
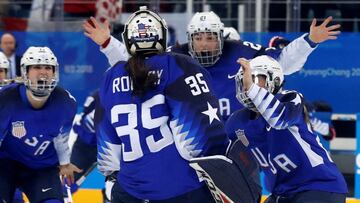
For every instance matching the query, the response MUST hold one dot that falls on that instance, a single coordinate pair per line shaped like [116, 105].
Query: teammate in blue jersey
[36, 118]
[156, 112]
[276, 130]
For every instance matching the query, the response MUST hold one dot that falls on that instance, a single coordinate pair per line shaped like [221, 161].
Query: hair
[140, 76]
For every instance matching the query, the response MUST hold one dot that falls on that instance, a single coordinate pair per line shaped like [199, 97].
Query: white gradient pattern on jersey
[314, 158]
[90, 121]
[183, 145]
[61, 145]
[257, 95]
[109, 158]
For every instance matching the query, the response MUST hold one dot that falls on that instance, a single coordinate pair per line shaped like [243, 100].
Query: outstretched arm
[96, 31]
[293, 57]
[113, 49]
[323, 32]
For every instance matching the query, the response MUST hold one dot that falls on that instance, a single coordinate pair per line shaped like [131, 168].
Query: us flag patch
[18, 129]
[241, 136]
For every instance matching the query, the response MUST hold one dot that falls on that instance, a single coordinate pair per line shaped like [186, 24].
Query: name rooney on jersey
[124, 83]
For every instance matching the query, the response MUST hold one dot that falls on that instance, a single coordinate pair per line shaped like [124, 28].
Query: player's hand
[323, 32]
[247, 77]
[96, 31]
[67, 171]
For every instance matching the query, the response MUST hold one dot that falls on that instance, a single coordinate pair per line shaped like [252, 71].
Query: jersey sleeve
[115, 51]
[279, 114]
[61, 140]
[108, 143]
[293, 56]
[196, 124]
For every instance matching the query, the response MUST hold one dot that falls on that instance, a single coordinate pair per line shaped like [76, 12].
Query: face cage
[241, 94]
[206, 58]
[44, 86]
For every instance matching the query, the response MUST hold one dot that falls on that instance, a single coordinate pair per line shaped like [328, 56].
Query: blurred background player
[8, 46]
[278, 42]
[166, 115]
[276, 130]
[36, 119]
[320, 118]
[4, 68]
[84, 150]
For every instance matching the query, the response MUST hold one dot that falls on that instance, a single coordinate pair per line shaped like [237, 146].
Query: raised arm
[293, 57]
[113, 49]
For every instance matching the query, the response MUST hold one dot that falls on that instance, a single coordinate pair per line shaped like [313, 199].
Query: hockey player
[4, 67]
[36, 118]
[275, 128]
[156, 112]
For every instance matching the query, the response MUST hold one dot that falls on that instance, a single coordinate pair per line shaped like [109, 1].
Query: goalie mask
[43, 85]
[261, 66]
[145, 33]
[210, 24]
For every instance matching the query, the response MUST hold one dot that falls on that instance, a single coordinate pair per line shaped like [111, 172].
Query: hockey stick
[68, 191]
[87, 172]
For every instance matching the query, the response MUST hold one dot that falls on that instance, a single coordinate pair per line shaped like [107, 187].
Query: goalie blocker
[231, 179]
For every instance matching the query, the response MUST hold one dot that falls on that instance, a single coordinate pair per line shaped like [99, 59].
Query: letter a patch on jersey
[18, 129]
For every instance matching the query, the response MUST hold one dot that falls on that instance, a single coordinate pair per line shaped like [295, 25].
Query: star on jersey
[211, 112]
[297, 100]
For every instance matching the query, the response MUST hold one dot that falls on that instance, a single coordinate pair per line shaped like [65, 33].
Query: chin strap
[38, 97]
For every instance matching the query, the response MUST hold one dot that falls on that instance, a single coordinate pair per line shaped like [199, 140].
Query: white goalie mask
[206, 22]
[145, 32]
[40, 56]
[260, 66]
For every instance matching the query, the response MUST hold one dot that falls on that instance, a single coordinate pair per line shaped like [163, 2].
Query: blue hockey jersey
[283, 143]
[224, 70]
[84, 128]
[161, 130]
[35, 137]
